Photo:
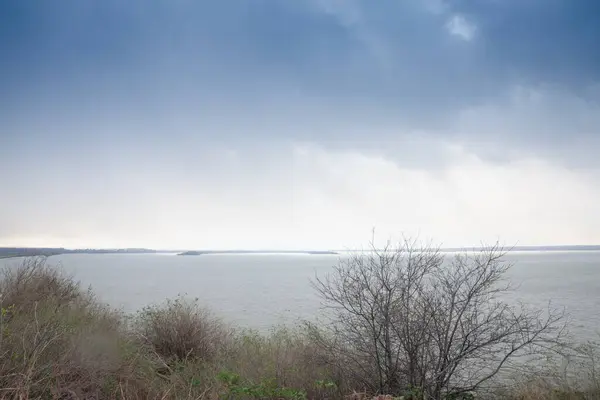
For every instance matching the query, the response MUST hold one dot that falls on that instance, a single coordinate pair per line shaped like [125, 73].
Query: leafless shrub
[34, 281]
[404, 320]
[182, 330]
[56, 341]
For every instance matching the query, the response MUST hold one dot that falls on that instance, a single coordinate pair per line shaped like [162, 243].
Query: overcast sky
[298, 123]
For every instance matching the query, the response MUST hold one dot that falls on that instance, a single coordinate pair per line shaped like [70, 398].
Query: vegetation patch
[403, 325]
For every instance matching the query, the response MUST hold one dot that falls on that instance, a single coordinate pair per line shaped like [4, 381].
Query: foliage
[236, 388]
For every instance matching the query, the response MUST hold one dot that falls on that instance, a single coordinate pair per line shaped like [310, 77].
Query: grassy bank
[58, 342]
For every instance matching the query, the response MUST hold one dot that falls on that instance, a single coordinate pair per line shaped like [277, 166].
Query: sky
[305, 124]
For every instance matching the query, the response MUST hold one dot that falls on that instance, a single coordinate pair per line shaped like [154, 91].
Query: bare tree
[410, 317]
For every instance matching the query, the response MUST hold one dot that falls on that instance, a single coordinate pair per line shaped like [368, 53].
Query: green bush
[238, 389]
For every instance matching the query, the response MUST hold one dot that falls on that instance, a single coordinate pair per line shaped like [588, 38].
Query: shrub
[45, 320]
[57, 342]
[34, 281]
[401, 317]
[180, 330]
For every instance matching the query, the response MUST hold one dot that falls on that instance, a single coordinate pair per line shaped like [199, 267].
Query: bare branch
[410, 316]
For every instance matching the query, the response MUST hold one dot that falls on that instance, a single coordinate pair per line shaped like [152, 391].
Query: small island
[216, 252]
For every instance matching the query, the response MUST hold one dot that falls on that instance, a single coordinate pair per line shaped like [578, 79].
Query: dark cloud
[537, 41]
[355, 73]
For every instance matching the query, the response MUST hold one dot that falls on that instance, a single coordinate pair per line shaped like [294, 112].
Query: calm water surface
[263, 290]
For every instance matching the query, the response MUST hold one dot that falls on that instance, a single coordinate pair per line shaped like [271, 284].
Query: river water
[260, 291]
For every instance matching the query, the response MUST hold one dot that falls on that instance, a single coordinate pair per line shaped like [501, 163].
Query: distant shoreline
[15, 252]
[217, 252]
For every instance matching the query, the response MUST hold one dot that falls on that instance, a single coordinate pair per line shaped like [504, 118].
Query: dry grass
[570, 376]
[285, 358]
[542, 389]
[195, 347]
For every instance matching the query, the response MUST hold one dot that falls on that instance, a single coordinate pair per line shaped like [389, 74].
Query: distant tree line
[8, 252]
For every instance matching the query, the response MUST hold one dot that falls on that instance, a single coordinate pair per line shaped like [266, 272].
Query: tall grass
[285, 358]
[570, 374]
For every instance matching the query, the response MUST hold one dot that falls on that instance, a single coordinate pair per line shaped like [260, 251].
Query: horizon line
[266, 250]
